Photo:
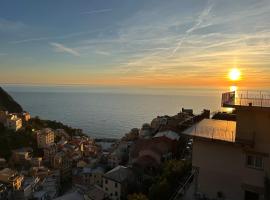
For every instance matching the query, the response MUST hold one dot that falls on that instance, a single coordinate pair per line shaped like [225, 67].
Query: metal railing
[246, 98]
[182, 188]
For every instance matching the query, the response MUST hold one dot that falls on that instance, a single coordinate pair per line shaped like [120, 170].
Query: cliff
[8, 103]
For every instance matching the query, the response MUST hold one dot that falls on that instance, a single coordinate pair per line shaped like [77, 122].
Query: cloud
[61, 48]
[103, 53]
[197, 25]
[66, 36]
[8, 25]
[156, 41]
[96, 11]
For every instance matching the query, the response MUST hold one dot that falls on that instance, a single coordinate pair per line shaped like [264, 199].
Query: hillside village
[63, 163]
[185, 156]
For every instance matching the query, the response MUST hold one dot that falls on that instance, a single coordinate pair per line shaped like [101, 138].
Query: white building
[231, 158]
[45, 137]
[116, 182]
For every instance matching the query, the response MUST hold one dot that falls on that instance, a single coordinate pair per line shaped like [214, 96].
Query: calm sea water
[109, 112]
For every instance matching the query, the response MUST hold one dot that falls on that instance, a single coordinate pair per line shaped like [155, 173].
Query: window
[116, 193]
[254, 161]
[115, 185]
[106, 181]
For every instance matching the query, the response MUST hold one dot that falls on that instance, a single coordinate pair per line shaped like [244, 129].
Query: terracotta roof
[158, 144]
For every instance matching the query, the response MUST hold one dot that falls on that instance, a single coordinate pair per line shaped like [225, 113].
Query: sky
[142, 43]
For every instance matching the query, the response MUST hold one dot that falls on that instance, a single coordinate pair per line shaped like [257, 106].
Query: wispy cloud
[103, 53]
[61, 48]
[96, 11]
[59, 37]
[161, 42]
[9, 25]
[197, 25]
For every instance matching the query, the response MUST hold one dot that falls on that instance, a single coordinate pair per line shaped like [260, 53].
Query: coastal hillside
[8, 103]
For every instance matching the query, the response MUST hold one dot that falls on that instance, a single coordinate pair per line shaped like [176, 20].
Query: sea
[110, 112]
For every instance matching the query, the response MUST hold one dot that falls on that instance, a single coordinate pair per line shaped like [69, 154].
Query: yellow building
[45, 137]
[13, 122]
[232, 157]
[12, 178]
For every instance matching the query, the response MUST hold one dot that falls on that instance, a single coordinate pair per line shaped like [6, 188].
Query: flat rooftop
[246, 98]
[213, 129]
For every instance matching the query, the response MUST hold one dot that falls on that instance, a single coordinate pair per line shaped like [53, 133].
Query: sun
[234, 74]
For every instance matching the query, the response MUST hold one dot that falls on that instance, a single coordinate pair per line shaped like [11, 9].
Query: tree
[137, 196]
[160, 190]
[172, 174]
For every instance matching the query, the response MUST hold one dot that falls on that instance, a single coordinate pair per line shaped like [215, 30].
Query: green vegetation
[36, 123]
[26, 137]
[8, 103]
[10, 140]
[173, 172]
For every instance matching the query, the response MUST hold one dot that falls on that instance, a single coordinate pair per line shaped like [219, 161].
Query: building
[146, 131]
[115, 158]
[10, 121]
[26, 116]
[36, 161]
[63, 163]
[72, 196]
[4, 191]
[22, 156]
[49, 152]
[97, 174]
[120, 155]
[96, 193]
[51, 184]
[27, 189]
[41, 195]
[168, 134]
[117, 182]
[87, 176]
[11, 178]
[232, 157]
[149, 154]
[45, 137]
[13, 122]
[41, 172]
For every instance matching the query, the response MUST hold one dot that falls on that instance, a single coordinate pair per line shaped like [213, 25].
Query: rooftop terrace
[213, 129]
[246, 98]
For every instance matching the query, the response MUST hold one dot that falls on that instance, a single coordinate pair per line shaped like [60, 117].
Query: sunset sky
[155, 43]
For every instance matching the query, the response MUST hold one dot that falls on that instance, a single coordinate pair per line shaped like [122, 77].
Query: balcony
[245, 98]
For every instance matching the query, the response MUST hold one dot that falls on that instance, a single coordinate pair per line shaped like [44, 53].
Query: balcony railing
[246, 98]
